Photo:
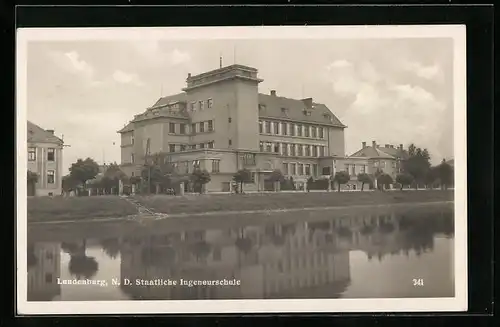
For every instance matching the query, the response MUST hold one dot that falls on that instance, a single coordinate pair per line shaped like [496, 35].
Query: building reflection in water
[44, 267]
[310, 259]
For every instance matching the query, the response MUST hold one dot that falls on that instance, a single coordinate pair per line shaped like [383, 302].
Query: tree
[200, 177]
[84, 170]
[384, 180]
[404, 179]
[276, 177]
[341, 177]
[417, 164]
[445, 174]
[69, 183]
[243, 176]
[111, 247]
[431, 176]
[310, 182]
[364, 179]
[32, 179]
[201, 249]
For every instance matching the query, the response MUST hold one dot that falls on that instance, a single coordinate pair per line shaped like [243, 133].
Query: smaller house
[44, 161]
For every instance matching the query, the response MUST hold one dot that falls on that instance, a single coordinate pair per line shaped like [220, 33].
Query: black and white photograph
[241, 169]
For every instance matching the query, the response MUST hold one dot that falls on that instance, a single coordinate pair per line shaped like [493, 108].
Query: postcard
[241, 169]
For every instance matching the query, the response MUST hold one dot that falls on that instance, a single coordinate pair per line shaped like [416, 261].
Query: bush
[319, 184]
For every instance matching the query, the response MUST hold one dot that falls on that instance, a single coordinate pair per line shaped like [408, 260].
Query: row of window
[290, 129]
[293, 149]
[185, 165]
[299, 169]
[51, 154]
[200, 127]
[200, 105]
[184, 147]
[51, 176]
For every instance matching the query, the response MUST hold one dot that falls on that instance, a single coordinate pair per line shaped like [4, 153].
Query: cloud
[179, 57]
[339, 64]
[432, 72]
[153, 54]
[126, 78]
[71, 62]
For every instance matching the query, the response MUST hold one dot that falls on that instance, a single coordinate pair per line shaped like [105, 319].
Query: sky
[396, 91]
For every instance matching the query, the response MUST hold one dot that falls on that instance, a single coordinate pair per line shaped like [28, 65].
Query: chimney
[374, 144]
[308, 102]
[401, 147]
[189, 75]
[273, 93]
[363, 144]
[51, 131]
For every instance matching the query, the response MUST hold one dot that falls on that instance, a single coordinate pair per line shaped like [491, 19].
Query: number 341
[418, 282]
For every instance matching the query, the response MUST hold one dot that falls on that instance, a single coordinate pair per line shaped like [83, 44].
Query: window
[314, 151]
[276, 128]
[284, 128]
[171, 147]
[284, 110]
[193, 106]
[200, 105]
[284, 150]
[277, 148]
[261, 146]
[193, 128]
[51, 177]
[320, 132]
[382, 164]
[211, 144]
[308, 150]
[293, 169]
[229, 120]
[31, 154]
[182, 128]
[299, 130]
[307, 170]
[394, 164]
[133, 174]
[51, 154]
[132, 140]
[268, 127]
[326, 171]
[346, 168]
[215, 166]
[132, 158]
[202, 145]
[292, 150]
[292, 129]
[210, 125]
[171, 127]
[300, 168]
[210, 103]
[300, 150]
[261, 129]
[321, 151]
[314, 169]
[202, 127]
[285, 168]
[230, 142]
[248, 159]
[314, 132]
[183, 147]
[192, 146]
[363, 169]
[306, 131]
[269, 146]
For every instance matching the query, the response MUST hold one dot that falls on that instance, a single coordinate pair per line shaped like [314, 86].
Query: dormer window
[284, 110]
[262, 107]
[327, 116]
[306, 112]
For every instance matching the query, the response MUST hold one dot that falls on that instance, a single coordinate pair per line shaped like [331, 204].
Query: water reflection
[331, 257]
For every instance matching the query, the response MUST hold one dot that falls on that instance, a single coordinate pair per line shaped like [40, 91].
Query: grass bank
[276, 201]
[77, 208]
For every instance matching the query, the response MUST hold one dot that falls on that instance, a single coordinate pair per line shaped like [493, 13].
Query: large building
[45, 160]
[221, 123]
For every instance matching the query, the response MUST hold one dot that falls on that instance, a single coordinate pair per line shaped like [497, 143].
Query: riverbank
[44, 209]
[194, 204]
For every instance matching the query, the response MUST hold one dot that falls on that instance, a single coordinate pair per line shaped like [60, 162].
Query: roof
[38, 134]
[169, 99]
[451, 162]
[295, 110]
[395, 152]
[372, 152]
[128, 128]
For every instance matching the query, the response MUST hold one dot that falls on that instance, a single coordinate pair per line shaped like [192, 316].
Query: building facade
[221, 123]
[45, 160]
